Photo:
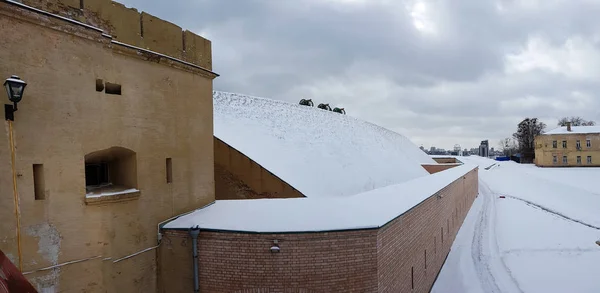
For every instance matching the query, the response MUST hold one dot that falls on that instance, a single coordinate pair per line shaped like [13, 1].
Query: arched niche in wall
[110, 171]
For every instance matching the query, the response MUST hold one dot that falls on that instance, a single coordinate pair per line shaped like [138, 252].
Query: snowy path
[540, 238]
[492, 271]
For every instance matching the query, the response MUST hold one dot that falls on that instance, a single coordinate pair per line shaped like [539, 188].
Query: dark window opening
[169, 167]
[99, 85]
[96, 174]
[442, 235]
[425, 259]
[113, 89]
[554, 144]
[110, 171]
[412, 277]
[38, 182]
[80, 4]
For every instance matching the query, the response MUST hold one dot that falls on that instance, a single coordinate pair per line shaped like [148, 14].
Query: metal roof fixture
[307, 102]
[324, 106]
[339, 110]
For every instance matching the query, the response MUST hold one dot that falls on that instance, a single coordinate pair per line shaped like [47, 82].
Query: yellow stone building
[113, 135]
[569, 146]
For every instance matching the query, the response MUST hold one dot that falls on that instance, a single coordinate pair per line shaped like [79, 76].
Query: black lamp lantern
[14, 88]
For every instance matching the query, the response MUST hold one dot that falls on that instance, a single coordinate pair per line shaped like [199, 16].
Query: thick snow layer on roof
[370, 209]
[575, 129]
[318, 152]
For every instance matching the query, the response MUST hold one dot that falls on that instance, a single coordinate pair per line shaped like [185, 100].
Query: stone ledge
[133, 195]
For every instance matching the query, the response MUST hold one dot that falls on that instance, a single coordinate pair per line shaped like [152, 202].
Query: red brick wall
[308, 262]
[378, 260]
[403, 243]
[448, 160]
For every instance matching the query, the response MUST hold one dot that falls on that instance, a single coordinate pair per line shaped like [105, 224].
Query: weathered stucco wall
[164, 111]
[545, 152]
[239, 177]
[389, 259]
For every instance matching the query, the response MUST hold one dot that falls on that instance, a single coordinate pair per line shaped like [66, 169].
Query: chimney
[569, 126]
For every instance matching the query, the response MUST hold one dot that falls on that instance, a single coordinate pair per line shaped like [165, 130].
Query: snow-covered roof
[318, 152]
[367, 210]
[575, 130]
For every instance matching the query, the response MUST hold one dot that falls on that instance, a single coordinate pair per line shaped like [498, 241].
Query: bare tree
[575, 121]
[527, 130]
[508, 146]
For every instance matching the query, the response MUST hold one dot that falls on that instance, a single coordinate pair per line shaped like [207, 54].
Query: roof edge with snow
[369, 210]
[574, 130]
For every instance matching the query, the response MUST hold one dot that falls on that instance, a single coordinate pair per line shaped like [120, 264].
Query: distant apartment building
[484, 150]
[569, 146]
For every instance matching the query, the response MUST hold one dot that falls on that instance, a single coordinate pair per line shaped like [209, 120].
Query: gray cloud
[473, 71]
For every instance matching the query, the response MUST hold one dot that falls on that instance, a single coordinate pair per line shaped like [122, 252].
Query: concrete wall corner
[161, 36]
[197, 50]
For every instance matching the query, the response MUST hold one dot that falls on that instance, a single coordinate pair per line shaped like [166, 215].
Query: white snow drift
[318, 152]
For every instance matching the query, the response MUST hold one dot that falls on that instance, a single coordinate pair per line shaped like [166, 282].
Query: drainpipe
[194, 232]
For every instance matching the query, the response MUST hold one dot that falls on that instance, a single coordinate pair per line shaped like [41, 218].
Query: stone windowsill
[112, 194]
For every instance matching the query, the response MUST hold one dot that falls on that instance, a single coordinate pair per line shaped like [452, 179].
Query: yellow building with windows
[569, 146]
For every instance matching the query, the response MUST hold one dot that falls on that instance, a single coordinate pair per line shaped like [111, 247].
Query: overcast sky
[441, 72]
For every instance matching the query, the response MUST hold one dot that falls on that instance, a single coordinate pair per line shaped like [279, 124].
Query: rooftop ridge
[574, 130]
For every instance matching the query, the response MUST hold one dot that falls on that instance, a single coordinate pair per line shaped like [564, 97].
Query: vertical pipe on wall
[194, 232]
[15, 191]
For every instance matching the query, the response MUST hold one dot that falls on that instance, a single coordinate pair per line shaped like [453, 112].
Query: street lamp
[14, 89]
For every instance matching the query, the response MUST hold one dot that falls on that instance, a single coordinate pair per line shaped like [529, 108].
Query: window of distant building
[578, 160]
[112, 171]
[565, 160]
[589, 159]
[564, 144]
[578, 144]
[554, 159]
[554, 144]
[588, 143]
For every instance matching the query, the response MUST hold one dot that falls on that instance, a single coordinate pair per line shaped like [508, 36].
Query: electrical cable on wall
[15, 192]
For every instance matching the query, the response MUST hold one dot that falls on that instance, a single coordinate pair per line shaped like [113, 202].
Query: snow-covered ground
[539, 238]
